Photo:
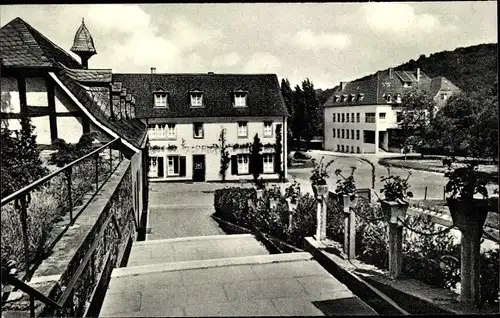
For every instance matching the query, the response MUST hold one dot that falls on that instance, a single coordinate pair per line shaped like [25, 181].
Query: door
[198, 167]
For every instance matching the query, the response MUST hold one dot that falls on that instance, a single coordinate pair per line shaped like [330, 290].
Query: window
[343, 117]
[352, 117]
[369, 117]
[240, 99]
[198, 130]
[398, 98]
[338, 117]
[338, 132]
[333, 117]
[173, 166]
[357, 134]
[243, 164]
[381, 116]
[160, 100]
[343, 133]
[347, 117]
[268, 163]
[347, 133]
[153, 167]
[369, 136]
[357, 117]
[352, 133]
[196, 99]
[360, 97]
[242, 129]
[352, 149]
[388, 98]
[152, 131]
[268, 129]
[342, 148]
[357, 150]
[171, 131]
[353, 97]
[333, 132]
[338, 147]
[443, 96]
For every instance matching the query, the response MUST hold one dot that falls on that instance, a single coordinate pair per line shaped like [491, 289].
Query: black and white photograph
[249, 159]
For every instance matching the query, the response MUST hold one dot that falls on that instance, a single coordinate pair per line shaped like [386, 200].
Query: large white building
[362, 116]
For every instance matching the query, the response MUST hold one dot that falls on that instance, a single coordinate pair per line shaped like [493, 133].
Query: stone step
[194, 248]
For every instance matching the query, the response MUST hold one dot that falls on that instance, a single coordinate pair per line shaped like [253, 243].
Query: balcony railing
[35, 217]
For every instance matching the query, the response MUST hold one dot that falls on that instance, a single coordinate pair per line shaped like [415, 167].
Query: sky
[325, 42]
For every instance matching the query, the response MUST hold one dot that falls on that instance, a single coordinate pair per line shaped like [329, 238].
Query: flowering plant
[346, 186]
[396, 188]
[319, 173]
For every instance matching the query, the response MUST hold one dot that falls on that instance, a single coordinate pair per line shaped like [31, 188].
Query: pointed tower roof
[83, 42]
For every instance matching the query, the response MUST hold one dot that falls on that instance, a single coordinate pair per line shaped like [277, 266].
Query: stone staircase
[223, 275]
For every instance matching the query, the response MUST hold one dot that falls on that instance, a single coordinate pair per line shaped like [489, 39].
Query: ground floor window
[268, 160]
[357, 148]
[342, 148]
[243, 167]
[155, 167]
[173, 166]
[338, 147]
[369, 136]
[352, 149]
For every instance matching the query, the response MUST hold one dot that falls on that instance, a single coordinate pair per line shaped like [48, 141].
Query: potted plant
[319, 176]
[396, 197]
[465, 184]
[346, 190]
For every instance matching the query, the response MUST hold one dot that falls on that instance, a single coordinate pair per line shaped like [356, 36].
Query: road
[418, 180]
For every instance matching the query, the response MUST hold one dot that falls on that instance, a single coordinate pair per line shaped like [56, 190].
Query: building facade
[64, 99]
[186, 113]
[363, 116]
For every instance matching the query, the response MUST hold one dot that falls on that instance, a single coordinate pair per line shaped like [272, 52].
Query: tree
[298, 119]
[288, 96]
[416, 114]
[313, 113]
[255, 158]
[20, 158]
[278, 148]
[224, 155]
[468, 126]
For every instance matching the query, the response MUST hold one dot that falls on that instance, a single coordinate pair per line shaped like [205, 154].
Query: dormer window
[160, 99]
[360, 97]
[398, 98]
[240, 99]
[388, 97]
[337, 98]
[353, 97]
[344, 98]
[196, 98]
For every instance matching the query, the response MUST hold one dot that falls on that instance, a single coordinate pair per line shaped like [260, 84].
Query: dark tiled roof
[83, 41]
[23, 46]
[97, 101]
[374, 87]
[442, 84]
[90, 76]
[264, 94]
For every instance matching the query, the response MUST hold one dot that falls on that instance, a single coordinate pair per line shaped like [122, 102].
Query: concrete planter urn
[394, 209]
[320, 189]
[469, 212]
[347, 203]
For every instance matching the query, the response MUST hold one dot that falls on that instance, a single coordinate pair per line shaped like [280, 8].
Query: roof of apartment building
[385, 87]
[263, 94]
[25, 47]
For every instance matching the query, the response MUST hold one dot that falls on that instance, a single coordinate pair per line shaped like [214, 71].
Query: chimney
[153, 70]
[418, 74]
[342, 85]
[390, 72]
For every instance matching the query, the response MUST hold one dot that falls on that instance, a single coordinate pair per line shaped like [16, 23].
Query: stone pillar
[395, 250]
[321, 219]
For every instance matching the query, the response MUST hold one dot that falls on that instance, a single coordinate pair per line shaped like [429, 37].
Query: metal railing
[78, 181]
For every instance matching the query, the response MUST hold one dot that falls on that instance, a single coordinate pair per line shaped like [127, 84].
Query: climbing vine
[224, 158]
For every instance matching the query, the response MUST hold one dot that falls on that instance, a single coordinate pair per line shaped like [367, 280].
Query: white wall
[379, 125]
[212, 128]
[69, 128]
[36, 92]
[9, 95]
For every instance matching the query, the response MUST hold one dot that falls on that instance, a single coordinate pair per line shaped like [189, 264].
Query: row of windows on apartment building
[345, 148]
[346, 117]
[368, 135]
[176, 165]
[197, 100]
[168, 131]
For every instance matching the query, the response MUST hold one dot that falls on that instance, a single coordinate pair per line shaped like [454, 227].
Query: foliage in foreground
[434, 260]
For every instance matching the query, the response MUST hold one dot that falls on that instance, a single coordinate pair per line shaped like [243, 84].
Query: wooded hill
[472, 69]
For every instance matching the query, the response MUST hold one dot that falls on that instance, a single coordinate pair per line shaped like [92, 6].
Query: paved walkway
[212, 274]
